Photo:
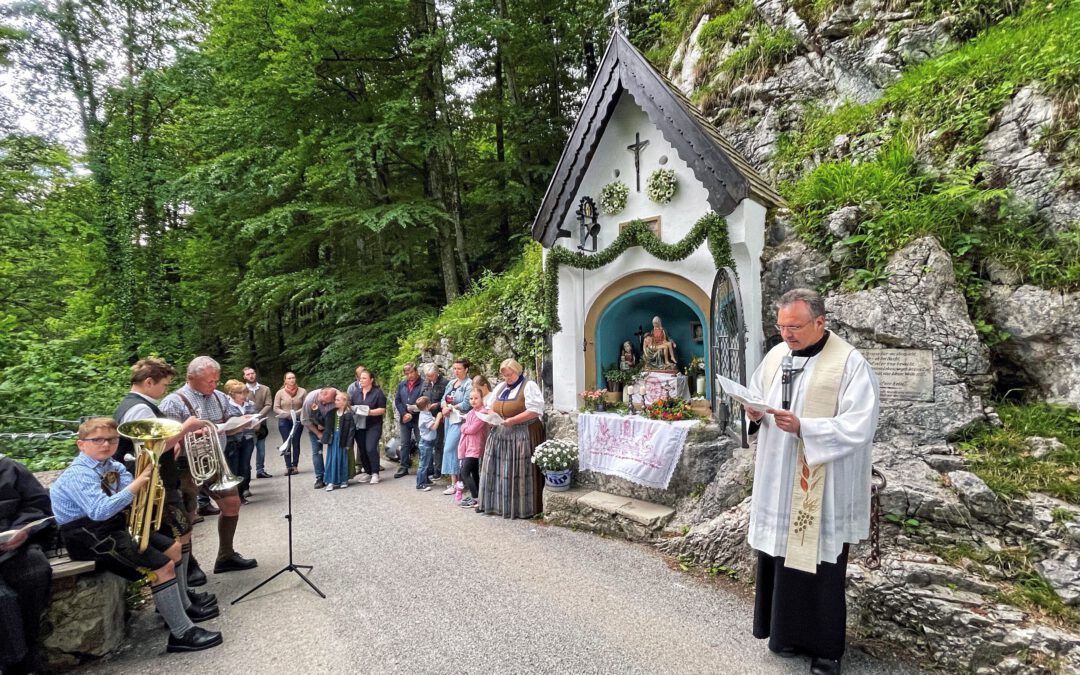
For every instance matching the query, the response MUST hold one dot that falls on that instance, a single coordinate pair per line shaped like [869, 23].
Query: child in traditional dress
[471, 447]
[428, 433]
[90, 500]
[339, 428]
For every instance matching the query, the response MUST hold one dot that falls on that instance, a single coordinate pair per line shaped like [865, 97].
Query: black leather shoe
[195, 575]
[209, 510]
[820, 666]
[234, 563]
[319, 485]
[401, 472]
[784, 652]
[199, 613]
[194, 639]
[204, 599]
[262, 474]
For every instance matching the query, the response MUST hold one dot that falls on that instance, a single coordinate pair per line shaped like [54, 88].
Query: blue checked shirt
[213, 407]
[78, 492]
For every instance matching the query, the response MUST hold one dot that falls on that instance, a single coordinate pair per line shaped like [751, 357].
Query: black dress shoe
[401, 472]
[819, 666]
[234, 563]
[209, 510]
[198, 598]
[195, 575]
[319, 485]
[199, 613]
[784, 652]
[262, 474]
[194, 639]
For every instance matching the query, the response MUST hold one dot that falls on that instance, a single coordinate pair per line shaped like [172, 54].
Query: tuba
[148, 436]
[206, 459]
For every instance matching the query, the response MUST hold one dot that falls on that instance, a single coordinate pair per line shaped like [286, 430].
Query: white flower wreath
[613, 197]
[661, 186]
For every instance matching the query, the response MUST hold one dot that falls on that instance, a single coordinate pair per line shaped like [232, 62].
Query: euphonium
[148, 436]
[207, 459]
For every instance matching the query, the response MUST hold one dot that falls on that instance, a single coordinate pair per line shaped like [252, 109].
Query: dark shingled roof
[726, 174]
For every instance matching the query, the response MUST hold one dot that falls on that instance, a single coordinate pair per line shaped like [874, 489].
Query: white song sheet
[741, 394]
[641, 450]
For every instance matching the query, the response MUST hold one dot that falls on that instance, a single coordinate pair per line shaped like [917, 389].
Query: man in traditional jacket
[811, 495]
[263, 398]
[25, 574]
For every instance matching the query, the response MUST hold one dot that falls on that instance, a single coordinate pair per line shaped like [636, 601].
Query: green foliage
[970, 17]
[505, 307]
[1002, 458]
[709, 226]
[907, 525]
[766, 49]
[724, 28]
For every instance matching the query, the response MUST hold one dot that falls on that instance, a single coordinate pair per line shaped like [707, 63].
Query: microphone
[787, 370]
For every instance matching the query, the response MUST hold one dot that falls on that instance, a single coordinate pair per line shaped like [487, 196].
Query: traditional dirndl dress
[510, 484]
[337, 462]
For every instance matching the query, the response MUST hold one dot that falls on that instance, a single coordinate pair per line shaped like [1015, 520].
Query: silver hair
[814, 302]
[428, 368]
[201, 364]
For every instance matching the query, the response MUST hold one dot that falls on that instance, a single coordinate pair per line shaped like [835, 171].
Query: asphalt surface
[417, 584]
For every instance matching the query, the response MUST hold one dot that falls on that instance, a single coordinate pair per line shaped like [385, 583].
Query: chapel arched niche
[629, 304]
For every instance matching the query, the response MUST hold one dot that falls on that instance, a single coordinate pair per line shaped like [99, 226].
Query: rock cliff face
[950, 545]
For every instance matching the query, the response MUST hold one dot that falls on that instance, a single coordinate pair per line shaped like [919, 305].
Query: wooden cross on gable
[636, 147]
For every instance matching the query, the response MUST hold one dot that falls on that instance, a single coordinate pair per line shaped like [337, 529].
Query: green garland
[710, 226]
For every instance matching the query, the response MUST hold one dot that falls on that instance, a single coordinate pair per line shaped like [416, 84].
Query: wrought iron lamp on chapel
[588, 226]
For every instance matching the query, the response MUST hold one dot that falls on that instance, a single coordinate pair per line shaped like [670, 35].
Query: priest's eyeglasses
[792, 328]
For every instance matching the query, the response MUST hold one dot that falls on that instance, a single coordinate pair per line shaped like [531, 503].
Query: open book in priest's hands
[741, 394]
[7, 536]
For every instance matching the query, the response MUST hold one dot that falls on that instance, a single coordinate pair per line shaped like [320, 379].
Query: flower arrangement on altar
[593, 399]
[695, 367]
[555, 455]
[669, 410]
[613, 197]
[661, 186]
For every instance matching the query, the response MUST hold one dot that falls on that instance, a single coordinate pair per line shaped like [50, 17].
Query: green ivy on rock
[710, 226]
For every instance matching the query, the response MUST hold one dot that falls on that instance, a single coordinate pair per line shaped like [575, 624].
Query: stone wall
[86, 617]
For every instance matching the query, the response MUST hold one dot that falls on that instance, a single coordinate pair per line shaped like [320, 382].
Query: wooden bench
[64, 567]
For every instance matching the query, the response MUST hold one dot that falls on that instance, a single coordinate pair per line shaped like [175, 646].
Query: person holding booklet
[369, 409]
[241, 440]
[26, 527]
[510, 485]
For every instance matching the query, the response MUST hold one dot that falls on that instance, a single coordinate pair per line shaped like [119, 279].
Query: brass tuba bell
[147, 508]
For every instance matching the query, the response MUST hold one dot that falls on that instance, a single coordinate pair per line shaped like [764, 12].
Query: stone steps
[606, 513]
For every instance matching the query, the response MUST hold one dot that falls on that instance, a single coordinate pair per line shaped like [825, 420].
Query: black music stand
[292, 566]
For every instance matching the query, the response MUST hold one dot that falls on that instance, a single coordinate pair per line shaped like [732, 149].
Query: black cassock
[802, 611]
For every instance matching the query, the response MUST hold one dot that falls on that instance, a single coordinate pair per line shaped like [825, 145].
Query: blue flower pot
[557, 481]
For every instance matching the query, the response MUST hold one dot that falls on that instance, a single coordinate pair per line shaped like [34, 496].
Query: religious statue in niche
[627, 360]
[658, 350]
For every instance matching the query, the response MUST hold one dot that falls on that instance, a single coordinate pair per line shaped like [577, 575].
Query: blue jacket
[403, 398]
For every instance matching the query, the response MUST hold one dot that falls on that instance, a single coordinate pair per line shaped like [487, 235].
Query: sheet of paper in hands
[412, 408]
[239, 422]
[361, 410]
[455, 416]
[491, 417]
[5, 537]
[741, 394]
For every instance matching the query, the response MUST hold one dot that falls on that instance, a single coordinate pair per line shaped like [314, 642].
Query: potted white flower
[555, 458]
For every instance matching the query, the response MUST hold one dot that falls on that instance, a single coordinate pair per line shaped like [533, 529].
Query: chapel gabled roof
[726, 174]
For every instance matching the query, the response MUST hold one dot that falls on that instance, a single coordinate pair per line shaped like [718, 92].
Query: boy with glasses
[90, 500]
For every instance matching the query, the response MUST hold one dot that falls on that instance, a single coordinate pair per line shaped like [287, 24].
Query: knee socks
[226, 529]
[169, 602]
[181, 573]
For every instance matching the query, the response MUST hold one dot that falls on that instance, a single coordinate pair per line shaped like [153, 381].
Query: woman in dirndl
[510, 484]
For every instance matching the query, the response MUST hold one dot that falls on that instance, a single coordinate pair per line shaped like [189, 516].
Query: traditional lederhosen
[175, 521]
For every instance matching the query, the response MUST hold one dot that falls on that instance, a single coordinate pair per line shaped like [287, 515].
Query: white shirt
[843, 441]
[139, 411]
[534, 398]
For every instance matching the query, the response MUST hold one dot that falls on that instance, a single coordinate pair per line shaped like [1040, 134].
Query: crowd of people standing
[455, 429]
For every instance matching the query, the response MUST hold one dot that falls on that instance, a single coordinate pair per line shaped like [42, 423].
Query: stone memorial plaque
[904, 374]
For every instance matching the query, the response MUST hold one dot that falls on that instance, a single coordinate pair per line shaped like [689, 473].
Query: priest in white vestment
[811, 495]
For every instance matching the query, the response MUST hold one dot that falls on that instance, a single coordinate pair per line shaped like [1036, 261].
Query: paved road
[416, 584]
